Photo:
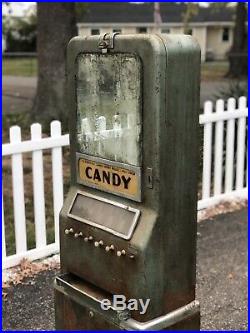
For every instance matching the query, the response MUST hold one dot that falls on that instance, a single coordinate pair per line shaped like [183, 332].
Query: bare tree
[191, 11]
[238, 53]
[56, 25]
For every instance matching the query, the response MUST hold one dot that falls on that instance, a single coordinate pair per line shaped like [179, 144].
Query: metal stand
[74, 297]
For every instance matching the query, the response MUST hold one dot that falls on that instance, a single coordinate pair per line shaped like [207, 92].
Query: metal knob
[79, 234]
[97, 244]
[68, 231]
[109, 248]
[88, 239]
[120, 253]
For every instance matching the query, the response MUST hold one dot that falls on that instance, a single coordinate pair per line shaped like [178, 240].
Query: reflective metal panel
[108, 215]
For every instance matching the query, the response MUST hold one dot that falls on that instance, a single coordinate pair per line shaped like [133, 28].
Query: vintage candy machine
[128, 223]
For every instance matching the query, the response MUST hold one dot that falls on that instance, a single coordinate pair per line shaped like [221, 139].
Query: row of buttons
[99, 243]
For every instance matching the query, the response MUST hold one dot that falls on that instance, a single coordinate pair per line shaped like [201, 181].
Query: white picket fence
[231, 181]
[36, 145]
[224, 177]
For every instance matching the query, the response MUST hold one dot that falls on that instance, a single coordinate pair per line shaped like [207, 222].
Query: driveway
[18, 94]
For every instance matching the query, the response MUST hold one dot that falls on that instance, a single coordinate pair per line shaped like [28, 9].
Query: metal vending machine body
[128, 223]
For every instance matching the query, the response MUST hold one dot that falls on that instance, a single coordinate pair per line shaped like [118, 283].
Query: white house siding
[86, 31]
[216, 45]
[128, 30]
[200, 33]
[176, 30]
[83, 31]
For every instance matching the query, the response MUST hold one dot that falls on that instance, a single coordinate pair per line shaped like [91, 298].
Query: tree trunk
[56, 25]
[238, 54]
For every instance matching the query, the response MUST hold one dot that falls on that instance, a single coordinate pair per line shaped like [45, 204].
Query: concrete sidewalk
[18, 94]
[221, 282]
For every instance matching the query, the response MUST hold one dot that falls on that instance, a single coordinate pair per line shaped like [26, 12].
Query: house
[213, 28]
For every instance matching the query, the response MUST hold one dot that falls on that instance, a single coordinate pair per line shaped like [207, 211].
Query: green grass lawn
[20, 66]
[214, 70]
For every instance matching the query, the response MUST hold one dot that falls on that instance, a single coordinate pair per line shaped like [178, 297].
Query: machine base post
[77, 309]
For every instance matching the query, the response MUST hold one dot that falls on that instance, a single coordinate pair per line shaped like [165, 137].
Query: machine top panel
[108, 106]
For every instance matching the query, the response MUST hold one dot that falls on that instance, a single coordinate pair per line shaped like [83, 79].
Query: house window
[95, 31]
[142, 30]
[225, 35]
[117, 30]
[165, 31]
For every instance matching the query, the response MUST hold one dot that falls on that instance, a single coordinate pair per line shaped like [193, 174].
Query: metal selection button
[79, 234]
[97, 244]
[120, 253]
[109, 248]
[68, 231]
[88, 239]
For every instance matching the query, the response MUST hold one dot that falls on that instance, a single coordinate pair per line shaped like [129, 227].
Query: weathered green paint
[164, 241]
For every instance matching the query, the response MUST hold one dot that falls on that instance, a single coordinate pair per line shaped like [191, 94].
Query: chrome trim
[129, 167]
[111, 202]
[65, 283]
[162, 322]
